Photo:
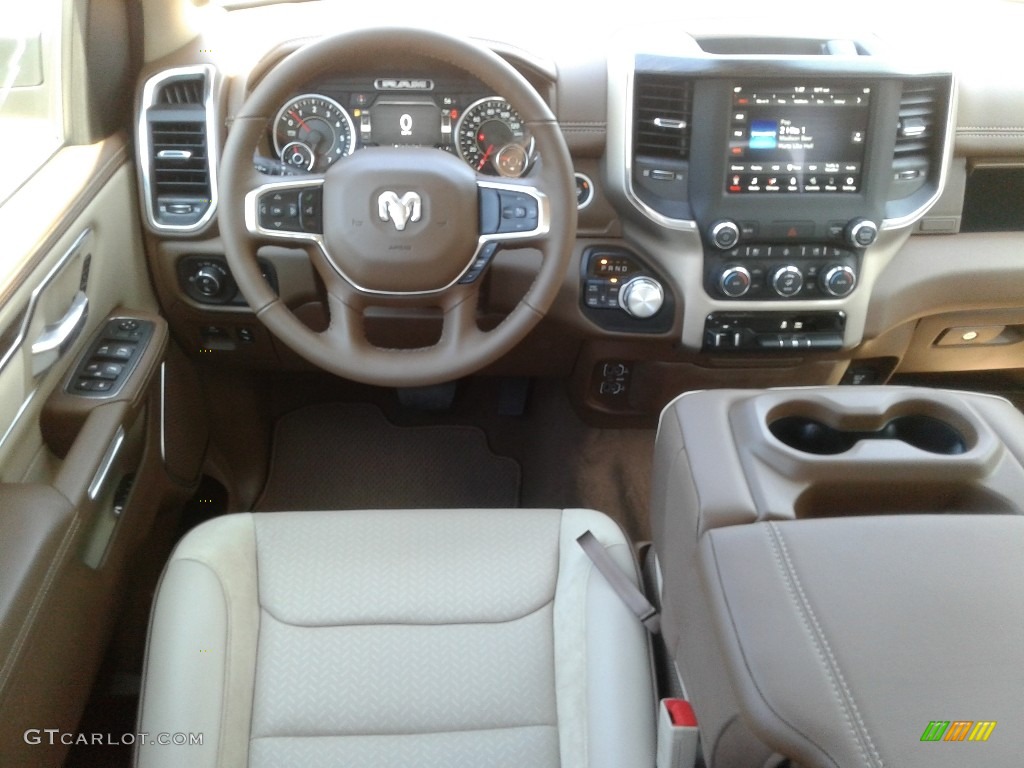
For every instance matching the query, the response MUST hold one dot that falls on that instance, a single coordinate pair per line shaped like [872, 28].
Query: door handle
[56, 338]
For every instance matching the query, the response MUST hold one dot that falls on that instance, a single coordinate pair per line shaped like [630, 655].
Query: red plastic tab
[681, 713]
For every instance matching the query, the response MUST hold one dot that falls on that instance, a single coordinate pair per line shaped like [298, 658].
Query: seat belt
[624, 587]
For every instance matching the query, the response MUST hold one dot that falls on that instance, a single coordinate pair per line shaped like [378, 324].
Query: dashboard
[751, 210]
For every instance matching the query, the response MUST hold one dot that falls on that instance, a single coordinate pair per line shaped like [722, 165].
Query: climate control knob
[860, 233]
[210, 280]
[787, 281]
[837, 280]
[724, 234]
[642, 297]
[734, 282]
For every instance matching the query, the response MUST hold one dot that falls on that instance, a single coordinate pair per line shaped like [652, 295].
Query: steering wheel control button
[519, 213]
[642, 297]
[735, 282]
[311, 210]
[490, 211]
[479, 263]
[861, 233]
[280, 210]
[787, 281]
[725, 234]
[838, 280]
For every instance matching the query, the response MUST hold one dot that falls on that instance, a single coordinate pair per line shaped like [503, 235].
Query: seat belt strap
[624, 587]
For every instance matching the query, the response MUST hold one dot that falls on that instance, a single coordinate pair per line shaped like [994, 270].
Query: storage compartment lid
[855, 642]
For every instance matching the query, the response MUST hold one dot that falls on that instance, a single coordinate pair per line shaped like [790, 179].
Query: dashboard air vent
[180, 162]
[915, 132]
[188, 90]
[662, 112]
[919, 135]
[177, 146]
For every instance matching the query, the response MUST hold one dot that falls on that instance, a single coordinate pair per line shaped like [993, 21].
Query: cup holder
[923, 432]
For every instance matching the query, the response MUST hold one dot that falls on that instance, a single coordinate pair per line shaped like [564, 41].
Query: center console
[794, 215]
[838, 573]
[766, 198]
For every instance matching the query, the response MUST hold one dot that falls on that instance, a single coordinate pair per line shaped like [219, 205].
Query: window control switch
[114, 351]
[111, 358]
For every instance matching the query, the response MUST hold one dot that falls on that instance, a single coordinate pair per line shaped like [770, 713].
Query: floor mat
[349, 456]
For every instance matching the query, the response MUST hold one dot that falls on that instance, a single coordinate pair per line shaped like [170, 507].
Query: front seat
[396, 639]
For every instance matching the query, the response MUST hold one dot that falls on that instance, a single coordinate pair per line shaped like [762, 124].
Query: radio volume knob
[642, 297]
[838, 280]
[787, 281]
[860, 233]
[734, 282]
[724, 234]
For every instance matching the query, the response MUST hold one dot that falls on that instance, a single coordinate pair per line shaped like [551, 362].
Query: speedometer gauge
[312, 131]
[489, 129]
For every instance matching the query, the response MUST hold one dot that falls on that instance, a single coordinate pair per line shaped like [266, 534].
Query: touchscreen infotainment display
[797, 138]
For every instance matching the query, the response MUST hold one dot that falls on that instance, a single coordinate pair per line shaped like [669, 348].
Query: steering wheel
[397, 226]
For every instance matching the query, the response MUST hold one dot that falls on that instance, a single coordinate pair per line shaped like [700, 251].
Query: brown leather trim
[114, 155]
[37, 524]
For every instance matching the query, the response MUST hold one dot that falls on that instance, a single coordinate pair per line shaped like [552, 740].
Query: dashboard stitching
[821, 643]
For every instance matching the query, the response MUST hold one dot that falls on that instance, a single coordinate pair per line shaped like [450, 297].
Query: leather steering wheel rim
[341, 349]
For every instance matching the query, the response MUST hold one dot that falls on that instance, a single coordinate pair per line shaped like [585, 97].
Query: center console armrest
[845, 640]
[824, 554]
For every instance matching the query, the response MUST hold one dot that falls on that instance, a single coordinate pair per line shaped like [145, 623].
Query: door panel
[68, 511]
[106, 237]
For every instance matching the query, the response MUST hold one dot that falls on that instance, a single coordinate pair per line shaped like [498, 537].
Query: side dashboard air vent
[918, 135]
[180, 159]
[662, 112]
[915, 132]
[177, 140]
[188, 90]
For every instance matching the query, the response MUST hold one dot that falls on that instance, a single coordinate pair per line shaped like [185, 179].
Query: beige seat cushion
[396, 638]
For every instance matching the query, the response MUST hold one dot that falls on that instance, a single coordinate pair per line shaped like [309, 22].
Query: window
[31, 115]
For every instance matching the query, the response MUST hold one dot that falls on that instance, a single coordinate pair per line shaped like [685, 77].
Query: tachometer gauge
[312, 131]
[485, 131]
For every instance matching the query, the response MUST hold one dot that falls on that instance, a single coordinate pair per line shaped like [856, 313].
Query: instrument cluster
[313, 130]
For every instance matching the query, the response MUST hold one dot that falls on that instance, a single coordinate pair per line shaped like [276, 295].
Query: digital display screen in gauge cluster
[406, 123]
[314, 130]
